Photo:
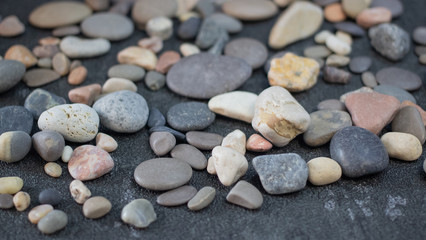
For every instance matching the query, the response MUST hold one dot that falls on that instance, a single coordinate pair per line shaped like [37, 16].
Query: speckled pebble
[390, 40]
[190, 116]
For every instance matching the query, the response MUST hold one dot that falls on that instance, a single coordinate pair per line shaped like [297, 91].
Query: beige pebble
[106, 142]
[11, 27]
[79, 191]
[22, 54]
[338, 46]
[322, 36]
[185, 6]
[86, 94]
[45, 63]
[118, 84]
[235, 140]
[353, 7]
[188, 49]
[53, 169]
[37, 213]
[49, 41]
[323, 171]
[75, 64]
[345, 37]
[422, 59]
[154, 44]
[61, 64]
[402, 146]
[96, 207]
[11, 185]
[66, 154]
[242, 107]
[210, 166]
[161, 27]
[138, 56]
[229, 164]
[335, 60]
[22, 201]
[77, 75]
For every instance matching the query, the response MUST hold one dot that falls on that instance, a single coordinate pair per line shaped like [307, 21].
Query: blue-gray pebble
[49, 145]
[230, 24]
[50, 196]
[190, 116]
[11, 72]
[397, 92]
[15, 118]
[189, 29]
[41, 100]
[178, 135]
[54, 221]
[156, 118]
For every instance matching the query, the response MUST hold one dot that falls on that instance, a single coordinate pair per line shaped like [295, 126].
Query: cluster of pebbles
[211, 68]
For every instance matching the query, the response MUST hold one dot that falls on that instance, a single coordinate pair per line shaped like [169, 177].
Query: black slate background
[389, 205]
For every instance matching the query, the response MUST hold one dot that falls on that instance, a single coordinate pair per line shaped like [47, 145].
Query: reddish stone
[154, 44]
[257, 143]
[372, 111]
[89, 162]
[373, 16]
[166, 61]
[77, 75]
[421, 111]
[334, 13]
[86, 94]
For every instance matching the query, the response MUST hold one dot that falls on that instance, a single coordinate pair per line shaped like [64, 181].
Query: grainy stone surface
[89, 162]
[138, 213]
[190, 116]
[15, 118]
[390, 40]
[202, 199]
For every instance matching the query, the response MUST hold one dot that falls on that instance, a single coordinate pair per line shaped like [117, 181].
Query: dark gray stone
[41, 100]
[230, 24]
[281, 173]
[156, 118]
[250, 50]
[245, 195]
[155, 80]
[331, 104]
[399, 77]
[324, 124]
[420, 50]
[122, 111]
[162, 142]
[191, 155]
[390, 41]
[11, 72]
[220, 43]
[397, 92]
[205, 75]
[127, 71]
[111, 26]
[178, 135]
[49, 145]
[189, 29]
[6, 201]
[162, 174]
[267, 65]
[419, 35]
[395, 6]
[409, 120]
[18, 146]
[54, 221]
[50, 196]
[324, 3]
[335, 75]
[190, 116]
[203, 140]
[208, 34]
[177, 197]
[359, 152]
[368, 79]
[360, 64]
[139, 213]
[350, 28]
[205, 8]
[15, 118]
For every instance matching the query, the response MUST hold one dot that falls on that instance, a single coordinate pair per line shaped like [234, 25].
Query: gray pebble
[250, 50]
[162, 142]
[399, 77]
[139, 213]
[75, 47]
[177, 197]
[420, 50]
[15, 118]
[281, 173]
[395, 6]
[190, 116]
[390, 41]
[162, 174]
[360, 64]
[397, 92]
[11, 72]
[419, 35]
[317, 51]
[15, 146]
[111, 26]
[122, 111]
[49, 145]
[350, 28]
[220, 43]
[189, 29]
[127, 71]
[155, 80]
[156, 118]
[40, 76]
[331, 104]
[41, 100]
[178, 135]
[191, 155]
[246, 195]
[50, 196]
[66, 31]
[54, 221]
[202, 199]
[205, 8]
[335, 75]
[230, 24]
[409, 120]
[6, 201]
[203, 140]
[208, 34]
[368, 79]
[44, 63]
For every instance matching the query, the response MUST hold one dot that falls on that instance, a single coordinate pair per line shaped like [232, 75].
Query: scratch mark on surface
[330, 205]
[351, 214]
[391, 209]
[362, 204]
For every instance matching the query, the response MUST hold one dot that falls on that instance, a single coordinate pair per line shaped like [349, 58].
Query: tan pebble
[403, 146]
[53, 169]
[293, 72]
[45, 51]
[335, 60]
[106, 142]
[210, 166]
[22, 54]
[75, 64]
[79, 191]
[334, 13]
[61, 64]
[345, 37]
[96, 207]
[373, 16]
[323, 171]
[45, 63]
[283, 3]
[188, 15]
[166, 61]
[37, 213]
[188, 49]
[161, 27]
[322, 36]
[66, 154]
[98, 5]
[338, 46]
[22, 201]
[142, 57]
[257, 143]
[118, 84]
[11, 27]
[235, 140]
[185, 6]
[10, 185]
[353, 7]
[86, 94]
[422, 59]
[49, 41]
[154, 44]
[77, 75]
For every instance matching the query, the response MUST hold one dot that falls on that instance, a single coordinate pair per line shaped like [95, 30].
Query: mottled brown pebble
[77, 75]
[53, 169]
[22, 201]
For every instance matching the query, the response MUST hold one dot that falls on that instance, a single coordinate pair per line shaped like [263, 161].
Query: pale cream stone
[210, 166]
[242, 107]
[235, 140]
[338, 46]
[106, 142]
[66, 154]
[37, 213]
[345, 37]
[22, 201]
[138, 56]
[118, 84]
[323, 171]
[10, 185]
[229, 164]
[53, 169]
[335, 60]
[184, 6]
[188, 49]
[403, 146]
[161, 27]
[353, 7]
[322, 36]
[79, 191]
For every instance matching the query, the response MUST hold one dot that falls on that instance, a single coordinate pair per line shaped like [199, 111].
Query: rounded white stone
[229, 164]
[66, 154]
[322, 36]
[337, 45]
[242, 107]
[75, 47]
[235, 140]
[161, 27]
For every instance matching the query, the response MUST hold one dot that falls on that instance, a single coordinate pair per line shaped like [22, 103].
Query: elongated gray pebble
[75, 47]
[190, 155]
[202, 199]
[177, 197]
[127, 71]
[203, 140]
[54, 221]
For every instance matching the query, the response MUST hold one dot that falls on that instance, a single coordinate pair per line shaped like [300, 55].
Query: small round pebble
[323, 171]
[126, 71]
[203, 140]
[49, 145]
[54, 221]
[37, 213]
[96, 207]
[89, 162]
[190, 116]
[77, 75]
[177, 197]
[202, 199]
[50, 196]
[66, 154]
[162, 142]
[139, 213]
[10, 185]
[178, 135]
[318, 51]
[6, 201]
[360, 64]
[155, 80]
[79, 191]
[53, 169]
[368, 79]
[166, 61]
[419, 35]
[257, 143]
[61, 64]
[190, 155]
[22, 201]
[250, 50]
[106, 142]
[15, 146]
[403, 146]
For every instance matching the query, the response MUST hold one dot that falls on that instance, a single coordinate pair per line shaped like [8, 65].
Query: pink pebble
[257, 143]
[89, 162]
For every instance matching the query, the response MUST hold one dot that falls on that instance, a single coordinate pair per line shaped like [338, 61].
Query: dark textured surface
[390, 205]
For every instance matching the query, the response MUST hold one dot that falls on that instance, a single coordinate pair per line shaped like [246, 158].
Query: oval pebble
[22, 201]
[162, 174]
[138, 213]
[49, 145]
[89, 162]
[250, 50]
[177, 197]
[390, 40]
[75, 47]
[191, 155]
[144, 10]
[11, 72]
[106, 142]
[66, 154]
[127, 71]
[162, 142]
[53, 169]
[190, 116]
[409, 120]
[6, 201]
[257, 143]
[419, 35]
[203, 140]
[15, 145]
[323, 171]
[360, 64]
[395, 6]
[54, 221]
[331, 104]
[178, 135]
[189, 76]
[399, 77]
[189, 29]
[41, 100]
[37, 213]
[202, 199]
[246, 195]
[40, 76]
[368, 79]
[66, 31]
[15, 118]
[118, 84]
[230, 24]
[250, 10]
[10, 185]
[403, 146]
[397, 92]
[96, 207]
[350, 28]
[155, 80]
[111, 26]
[50, 196]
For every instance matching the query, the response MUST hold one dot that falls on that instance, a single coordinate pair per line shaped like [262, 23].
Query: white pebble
[229, 164]
[66, 154]
[337, 45]
[188, 49]
[322, 36]
[161, 27]
[79, 191]
[235, 140]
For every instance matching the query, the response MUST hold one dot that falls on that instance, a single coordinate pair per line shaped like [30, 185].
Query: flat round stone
[397, 92]
[230, 24]
[250, 50]
[15, 118]
[111, 26]
[409, 120]
[368, 79]
[162, 142]
[177, 197]
[122, 111]
[11, 72]
[41, 100]
[156, 118]
[6, 201]
[50, 196]
[331, 104]
[138, 213]
[358, 151]
[250, 10]
[75, 47]
[323, 171]
[360, 64]
[49, 145]
[178, 135]
[191, 155]
[350, 28]
[245, 195]
[399, 77]
[189, 29]
[54, 221]
[206, 75]
[15, 146]
[202, 199]
[145, 10]
[127, 71]
[419, 35]
[190, 116]
[203, 140]
[40, 76]
[88, 162]
[395, 6]
[162, 174]
[58, 14]
[96, 207]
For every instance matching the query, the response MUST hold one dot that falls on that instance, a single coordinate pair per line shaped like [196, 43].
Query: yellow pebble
[22, 201]
[11, 185]
[53, 169]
